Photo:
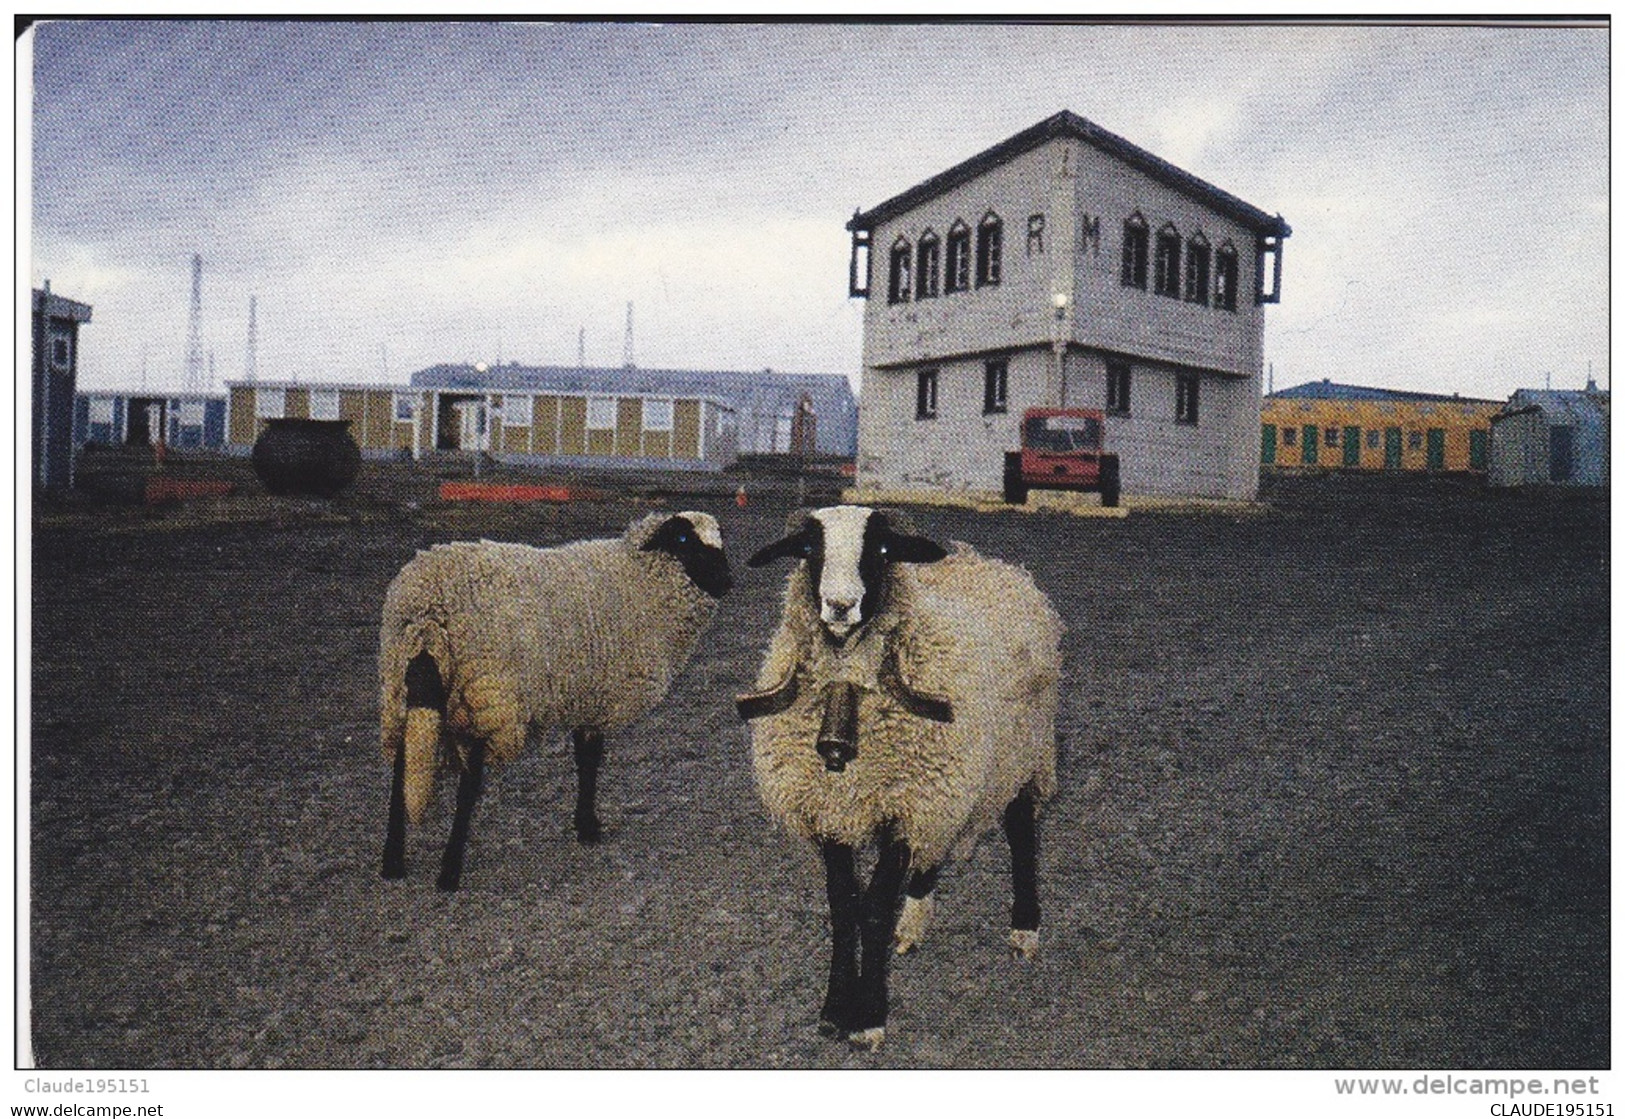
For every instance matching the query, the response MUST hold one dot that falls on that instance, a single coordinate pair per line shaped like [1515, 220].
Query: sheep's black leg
[841, 880]
[879, 921]
[395, 834]
[589, 750]
[1021, 829]
[468, 792]
[922, 882]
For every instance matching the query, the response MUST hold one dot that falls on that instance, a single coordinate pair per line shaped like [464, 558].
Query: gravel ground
[1334, 794]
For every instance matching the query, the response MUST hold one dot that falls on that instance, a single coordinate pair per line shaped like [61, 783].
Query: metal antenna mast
[251, 363]
[626, 353]
[194, 330]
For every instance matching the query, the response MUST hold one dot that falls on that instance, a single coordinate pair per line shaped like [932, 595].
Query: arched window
[1167, 266]
[1198, 263]
[1136, 250]
[900, 285]
[958, 273]
[989, 249]
[930, 265]
[1224, 277]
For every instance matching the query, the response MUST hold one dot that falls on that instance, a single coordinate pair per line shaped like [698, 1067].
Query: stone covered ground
[1334, 793]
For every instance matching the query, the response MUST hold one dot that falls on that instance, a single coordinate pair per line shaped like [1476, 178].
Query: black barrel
[317, 458]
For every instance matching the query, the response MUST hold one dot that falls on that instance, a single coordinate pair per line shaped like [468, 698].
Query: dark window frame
[989, 250]
[1166, 255]
[996, 386]
[1136, 251]
[1289, 437]
[1187, 399]
[925, 394]
[927, 265]
[956, 276]
[1198, 269]
[1119, 387]
[900, 271]
[1226, 275]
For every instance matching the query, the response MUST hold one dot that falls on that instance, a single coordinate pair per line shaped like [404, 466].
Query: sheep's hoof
[869, 1039]
[588, 829]
[911, 924]
[1023, 943]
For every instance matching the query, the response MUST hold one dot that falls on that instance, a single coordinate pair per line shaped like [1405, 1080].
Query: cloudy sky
[398, 194]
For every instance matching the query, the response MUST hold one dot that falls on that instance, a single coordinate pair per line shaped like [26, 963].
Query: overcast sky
[397, 195]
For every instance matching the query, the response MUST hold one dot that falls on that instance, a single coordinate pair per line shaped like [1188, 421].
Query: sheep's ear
[797, 542]
[798, 545]
[914, 549]
[902, 545]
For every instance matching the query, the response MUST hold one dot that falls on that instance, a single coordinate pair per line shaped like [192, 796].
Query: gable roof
[1070, 125]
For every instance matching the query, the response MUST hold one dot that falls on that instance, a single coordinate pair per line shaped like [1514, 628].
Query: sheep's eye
[682, 538]
[883, 549]
[806, 547]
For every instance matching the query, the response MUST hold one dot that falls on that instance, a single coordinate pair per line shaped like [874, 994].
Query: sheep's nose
[841, 608]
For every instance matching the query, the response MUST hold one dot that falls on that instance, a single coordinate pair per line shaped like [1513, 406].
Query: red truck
[1062, 449]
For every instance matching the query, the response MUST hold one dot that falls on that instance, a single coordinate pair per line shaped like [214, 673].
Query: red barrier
[493, 491]
[179, 489]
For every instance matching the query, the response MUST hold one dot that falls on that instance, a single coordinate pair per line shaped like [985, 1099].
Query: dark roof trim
[1070, 125]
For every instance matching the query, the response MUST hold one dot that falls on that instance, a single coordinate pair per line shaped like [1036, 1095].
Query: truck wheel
[1111, 481]
[1015, 493]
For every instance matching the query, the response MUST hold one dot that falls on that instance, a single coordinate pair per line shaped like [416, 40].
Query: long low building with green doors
[1330, 426]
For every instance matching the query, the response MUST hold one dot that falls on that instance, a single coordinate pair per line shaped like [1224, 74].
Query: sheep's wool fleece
[588, 634]
[974, 630]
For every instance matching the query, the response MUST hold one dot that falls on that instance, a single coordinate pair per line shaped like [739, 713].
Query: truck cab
[1062, 449]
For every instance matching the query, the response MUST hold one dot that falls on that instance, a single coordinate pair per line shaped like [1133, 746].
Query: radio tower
[626, 353]
[251, 364]
[194, 330]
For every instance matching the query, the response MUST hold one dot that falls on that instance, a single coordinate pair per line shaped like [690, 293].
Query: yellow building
[1332, 426]
[561, 428]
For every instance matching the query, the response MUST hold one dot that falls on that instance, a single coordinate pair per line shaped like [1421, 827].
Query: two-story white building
[1064, 267]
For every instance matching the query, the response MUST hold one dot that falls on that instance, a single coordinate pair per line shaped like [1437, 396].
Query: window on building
[925, 395]
[1187, 398]
[270, 404]
[1373, 439]
[1414, 440]
[406, 406]
[995, 387]
[601, 413]
[101, 409]
[657, 415]
[189, 413]
[1224, 278]
[324, 404]
[61, 351]
[1167, 267]
[1198, 262]
[1035, 234]
[930, 266]
[958, 273]
[1289, 437]
[516, 411]
[1332, 434]
[989, 250]
[1118, 383]
[1136, 251]
[898, 287]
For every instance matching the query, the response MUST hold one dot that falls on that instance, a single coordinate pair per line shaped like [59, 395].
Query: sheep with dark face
[482, 644]
[908, 698]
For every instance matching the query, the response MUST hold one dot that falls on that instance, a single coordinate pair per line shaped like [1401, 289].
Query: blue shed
[1553, 437]
[114, 417]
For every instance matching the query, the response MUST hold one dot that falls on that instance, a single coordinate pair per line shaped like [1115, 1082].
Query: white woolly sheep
[909, 705]
[483, 643]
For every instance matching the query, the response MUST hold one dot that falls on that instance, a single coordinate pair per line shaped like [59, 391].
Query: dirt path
[1334, 794]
